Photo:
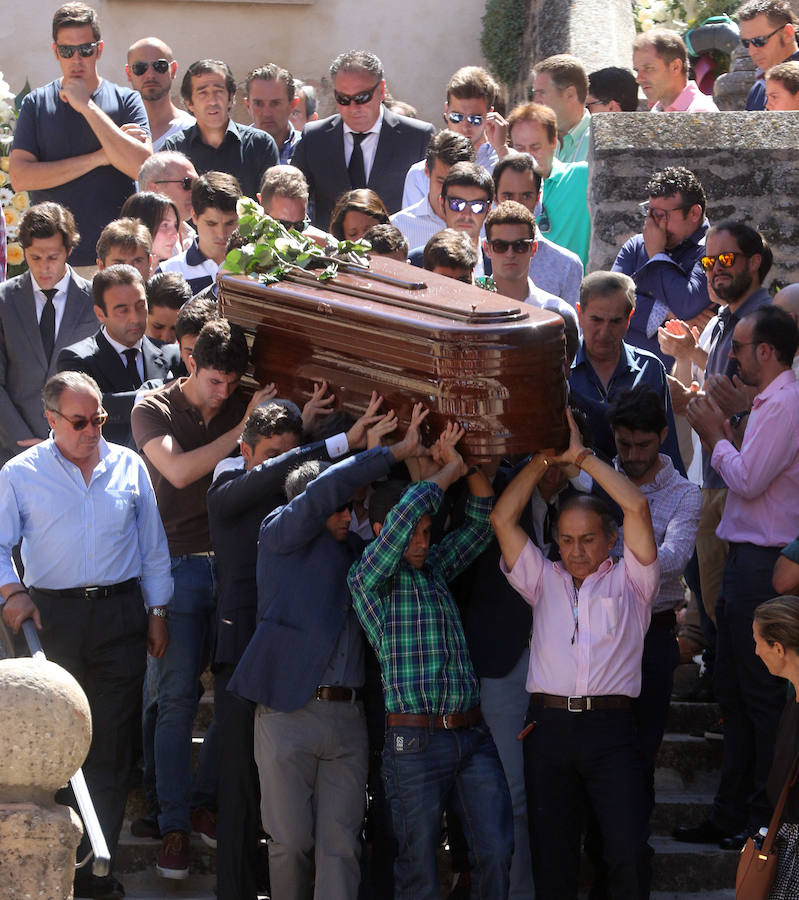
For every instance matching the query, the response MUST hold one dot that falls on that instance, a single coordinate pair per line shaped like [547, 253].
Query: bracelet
[586, 451]
[14, 594]
[161, 612]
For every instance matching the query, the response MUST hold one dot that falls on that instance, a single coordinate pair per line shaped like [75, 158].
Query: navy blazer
[320, 157]
[303, 598]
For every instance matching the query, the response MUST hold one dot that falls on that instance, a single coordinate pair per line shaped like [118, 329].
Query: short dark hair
[75, 15]
[591, 503]
[68, 380]
[787, 73]
[473, 83]
[639, 409]
[221, 345]
[773, 325]
[271, 72]
[206, 67]
[194, 315]
[362, 200]
[471, 175]
[778, 12]
[215, 189]
[516, 162]
[46, 220]
[565, 71]
[113, 276]
[384, 498]
[283, 181]
[450, 147]
[614, 83]
[298, 479]
[749, 240]
[534, 112]
[130, 234]
[509, 213]
[667, 44]
[149, 208]
[269, 420]
[677, 180]
[449, 248]
[386, 239]
[607, 284]
[357, 61]
[168, 289]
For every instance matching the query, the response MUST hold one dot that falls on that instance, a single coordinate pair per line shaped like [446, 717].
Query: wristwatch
[735, 420]
[161, 611]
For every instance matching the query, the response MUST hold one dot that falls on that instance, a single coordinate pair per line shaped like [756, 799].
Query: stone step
[679, 808]
[686, 763]
[685, 717]
[683, 868]
[139, 855]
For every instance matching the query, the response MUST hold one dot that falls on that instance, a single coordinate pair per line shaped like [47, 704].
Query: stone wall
[745, 161]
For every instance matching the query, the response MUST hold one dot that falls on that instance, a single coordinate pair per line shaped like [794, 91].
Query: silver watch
[161, 611]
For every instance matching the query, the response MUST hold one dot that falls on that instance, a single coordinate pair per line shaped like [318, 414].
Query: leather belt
[209, 554]
[92, 592]
[580, 704]
[449, 721]
[665, 620]
[337, 694]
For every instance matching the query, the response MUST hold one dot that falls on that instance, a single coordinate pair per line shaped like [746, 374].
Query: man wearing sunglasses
[363, 144]
[80, 140]
[284, 196]
[768, 32]
[172, 174]
[151, 70]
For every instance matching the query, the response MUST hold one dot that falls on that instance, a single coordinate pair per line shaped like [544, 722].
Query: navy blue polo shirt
[51, 130]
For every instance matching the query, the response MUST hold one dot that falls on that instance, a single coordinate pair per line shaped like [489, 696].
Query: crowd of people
[491, 645]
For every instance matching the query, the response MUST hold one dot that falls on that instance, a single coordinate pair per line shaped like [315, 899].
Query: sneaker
[203, 821]
[173, 860]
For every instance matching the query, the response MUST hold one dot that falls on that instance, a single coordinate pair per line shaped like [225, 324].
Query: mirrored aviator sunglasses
[67, 51]
[457, 117]
[161, 66]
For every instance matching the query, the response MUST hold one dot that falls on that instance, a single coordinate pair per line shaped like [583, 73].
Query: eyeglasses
[67, 51]
[759, 41]
[458, 204]
[661, 215]
[158, 65]
[299, 225]
[186, 183]
[520, 246]
[344, 507]
[79, 422]
[358, 99]
[590, 103]
[725, 260]
[736, 345]
[456, 117]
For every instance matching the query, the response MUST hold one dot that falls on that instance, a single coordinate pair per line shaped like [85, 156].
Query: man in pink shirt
[660, 60]
[590, 618]
[761, 516]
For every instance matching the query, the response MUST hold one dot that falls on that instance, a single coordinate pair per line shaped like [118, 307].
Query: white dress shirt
[59, 298]
[368, 144]
[121, 348]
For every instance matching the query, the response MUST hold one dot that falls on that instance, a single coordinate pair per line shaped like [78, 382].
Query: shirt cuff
[657, 316]
[337, 445]
[720, 452]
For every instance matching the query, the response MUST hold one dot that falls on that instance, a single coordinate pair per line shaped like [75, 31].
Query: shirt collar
[627, 359]
[575, 134]
[120, 348]
[375, 129]
[60, 286]
[784, 379]
[230, 129]
[662, 477]
[195, 256]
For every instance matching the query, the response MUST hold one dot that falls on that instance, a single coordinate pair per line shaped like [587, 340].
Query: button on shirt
[763, 477]
[59, 298]
[76, 535]
[368, 144]
[614, 607]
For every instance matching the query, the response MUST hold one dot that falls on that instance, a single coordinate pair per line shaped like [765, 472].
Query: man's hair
[130, 234]
[473, 83]
[778, 12]
[565, 71]
[75, 15]
[467, 174]
[168, 289]
[46, 220]
[384, 498]
[787, 73]
[215, 189]
[449, 248]
[778, 621]
[509, 212]
[307, 94]
[400, 107]
[269, 420]
[386, 239]
[271, 72]
[298, 479]
[749, 240]
[590, 503]
[206, 67]
[113, 276]
[675, 180]
[450, 147]
[614, 83]
[150, 208]
[283, 181]
[773, 325]
[607, 284]
[517, 162]
[362, 200]
[69, 380]
[667, 44]
[534, 112]
[357, 61]
[155, 166]
[221, 345]
[639, 409]
[194, 316]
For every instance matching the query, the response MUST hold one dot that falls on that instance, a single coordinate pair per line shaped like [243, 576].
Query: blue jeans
[422, 769]
[191, 619]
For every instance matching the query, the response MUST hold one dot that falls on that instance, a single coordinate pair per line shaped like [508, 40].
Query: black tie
[131, 354]
[47, 323]
[356, 167]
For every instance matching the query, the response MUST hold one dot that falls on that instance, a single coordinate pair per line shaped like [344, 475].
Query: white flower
[6, 196]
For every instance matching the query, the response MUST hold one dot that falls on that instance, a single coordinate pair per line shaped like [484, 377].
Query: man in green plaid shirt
[437, 748]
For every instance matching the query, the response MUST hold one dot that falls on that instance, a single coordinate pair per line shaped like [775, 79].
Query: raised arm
[505, 516]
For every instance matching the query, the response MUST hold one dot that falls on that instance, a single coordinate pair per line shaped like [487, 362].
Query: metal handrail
[102, 858]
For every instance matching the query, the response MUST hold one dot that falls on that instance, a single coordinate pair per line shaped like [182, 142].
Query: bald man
[151, 69]
[788, 299]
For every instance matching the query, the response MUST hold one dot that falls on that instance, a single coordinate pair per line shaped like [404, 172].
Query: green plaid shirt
[409, 615]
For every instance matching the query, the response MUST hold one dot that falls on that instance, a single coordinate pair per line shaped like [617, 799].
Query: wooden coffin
[494, 365]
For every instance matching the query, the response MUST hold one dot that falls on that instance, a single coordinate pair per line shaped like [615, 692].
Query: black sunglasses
[760, 41]
[520, 246]
[458, 204]
[80, 422]
[159, 65]
[457, 117]
[186, 183]
[67, 51]
[299, 225]
[358, 99]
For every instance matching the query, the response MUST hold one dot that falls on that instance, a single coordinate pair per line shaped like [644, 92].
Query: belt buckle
[576, 709]
[447, 726]
[89, 593]
[353, 692]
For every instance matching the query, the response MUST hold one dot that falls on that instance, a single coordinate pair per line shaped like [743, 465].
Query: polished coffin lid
[492, 364]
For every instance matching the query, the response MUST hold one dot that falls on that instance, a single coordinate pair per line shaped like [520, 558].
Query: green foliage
[504, 22]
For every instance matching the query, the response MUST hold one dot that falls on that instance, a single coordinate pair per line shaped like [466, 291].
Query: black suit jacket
[96, 357]
[320, 156]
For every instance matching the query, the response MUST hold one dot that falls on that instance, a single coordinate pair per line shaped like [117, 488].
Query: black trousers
[103, 644]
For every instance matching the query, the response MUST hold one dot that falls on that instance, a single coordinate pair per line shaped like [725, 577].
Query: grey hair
[79, 382]
[298, 479]
[357, 61]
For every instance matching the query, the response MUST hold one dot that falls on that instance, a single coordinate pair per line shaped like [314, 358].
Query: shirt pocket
[610, 615]
[117, 510]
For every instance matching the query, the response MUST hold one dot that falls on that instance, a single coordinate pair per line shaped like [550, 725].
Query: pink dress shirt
[690, 99]
[614, 606]
[763, 477]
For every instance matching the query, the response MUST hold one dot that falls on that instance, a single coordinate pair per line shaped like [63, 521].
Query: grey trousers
[312, 766]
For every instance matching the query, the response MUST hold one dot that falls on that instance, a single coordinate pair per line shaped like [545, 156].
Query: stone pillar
[44, 739]
[730, 89]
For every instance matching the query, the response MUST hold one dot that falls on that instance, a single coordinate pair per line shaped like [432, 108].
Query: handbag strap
[774, 824]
